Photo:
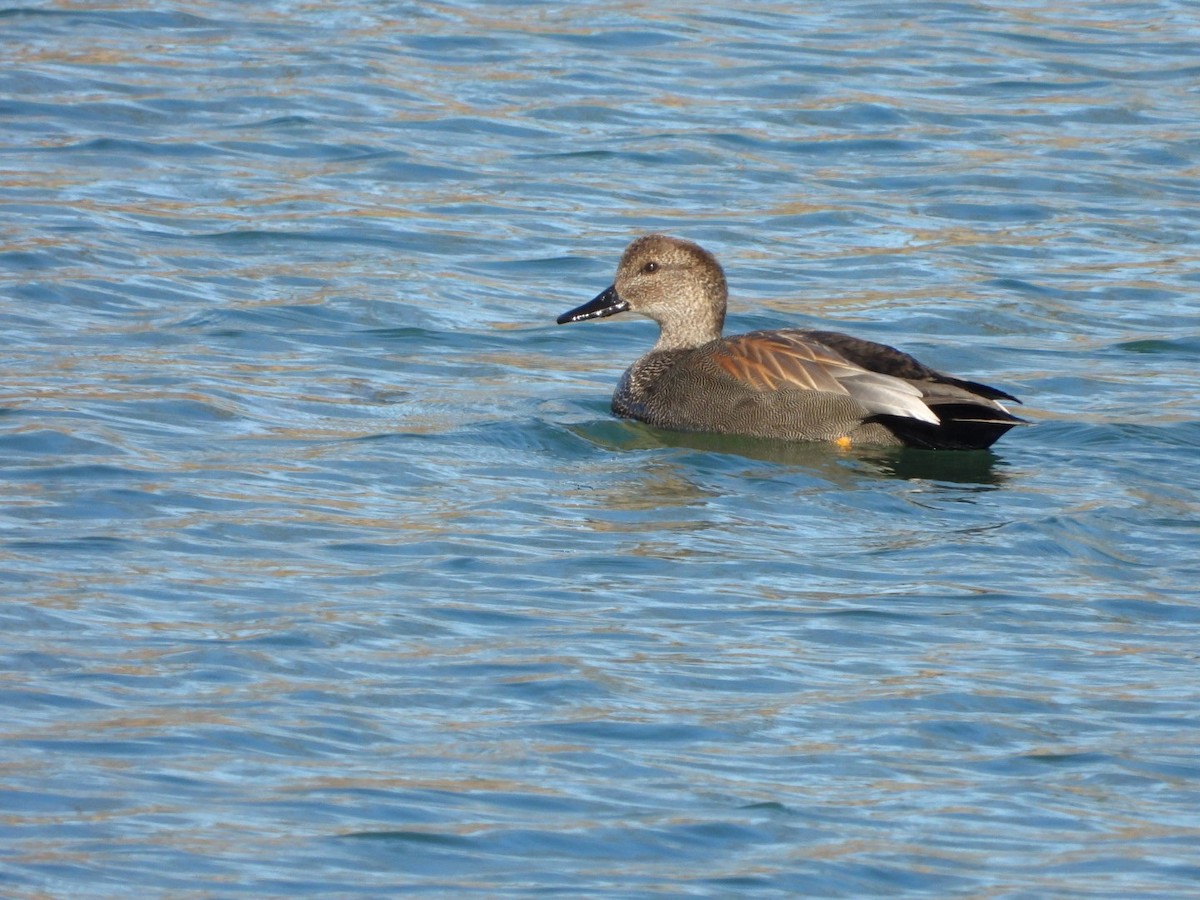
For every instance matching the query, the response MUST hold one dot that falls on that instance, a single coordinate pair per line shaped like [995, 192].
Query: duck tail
[963, 426]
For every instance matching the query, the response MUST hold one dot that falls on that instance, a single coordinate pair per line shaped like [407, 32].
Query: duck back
[799, 385]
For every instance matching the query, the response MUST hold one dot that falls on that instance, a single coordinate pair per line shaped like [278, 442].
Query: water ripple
[329, 571]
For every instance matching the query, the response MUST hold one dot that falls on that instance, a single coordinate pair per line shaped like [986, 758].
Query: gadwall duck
[792, 384]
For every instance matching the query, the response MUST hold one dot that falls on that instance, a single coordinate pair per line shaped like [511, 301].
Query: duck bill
[607, 304]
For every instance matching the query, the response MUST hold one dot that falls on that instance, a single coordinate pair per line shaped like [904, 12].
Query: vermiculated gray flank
[791, 384]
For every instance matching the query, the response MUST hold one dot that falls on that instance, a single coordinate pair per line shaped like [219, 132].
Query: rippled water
[327, 570]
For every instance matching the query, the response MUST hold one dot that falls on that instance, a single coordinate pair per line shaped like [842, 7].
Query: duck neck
[686, 333]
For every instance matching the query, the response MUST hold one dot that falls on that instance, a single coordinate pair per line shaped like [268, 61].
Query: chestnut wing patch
[777, 361]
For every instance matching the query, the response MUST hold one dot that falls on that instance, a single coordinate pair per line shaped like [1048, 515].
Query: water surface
[327, 570]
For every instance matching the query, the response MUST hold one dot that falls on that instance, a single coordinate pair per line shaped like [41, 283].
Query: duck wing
[971, 414]
[794, 360]
[890, 361]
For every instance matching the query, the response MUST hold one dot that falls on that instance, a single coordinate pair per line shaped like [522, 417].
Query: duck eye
[650, 268]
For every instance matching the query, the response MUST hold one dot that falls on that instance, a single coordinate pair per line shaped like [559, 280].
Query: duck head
[678, 284]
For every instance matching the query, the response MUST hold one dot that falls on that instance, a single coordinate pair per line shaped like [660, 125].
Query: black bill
[607, 304]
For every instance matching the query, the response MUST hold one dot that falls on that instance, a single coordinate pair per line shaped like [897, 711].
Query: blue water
[326, 570]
